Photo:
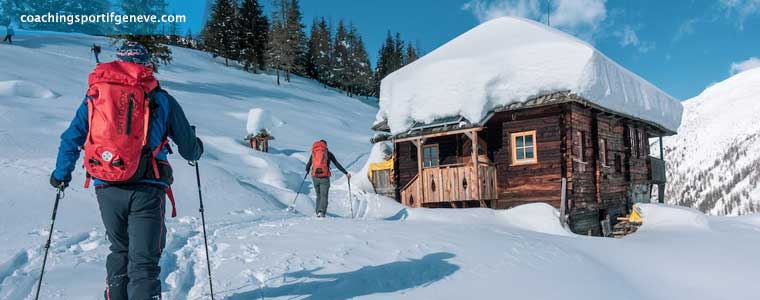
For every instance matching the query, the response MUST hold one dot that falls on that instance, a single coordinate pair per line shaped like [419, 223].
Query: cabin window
[430, 156]
[603, 151]
[524, 148]
[581, 155]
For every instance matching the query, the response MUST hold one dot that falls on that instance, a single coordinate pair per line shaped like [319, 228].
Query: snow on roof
[508, 60]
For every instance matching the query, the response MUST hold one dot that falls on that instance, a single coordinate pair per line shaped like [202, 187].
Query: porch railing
[450, 183]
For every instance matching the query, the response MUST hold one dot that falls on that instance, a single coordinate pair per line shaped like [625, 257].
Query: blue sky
[682, 46]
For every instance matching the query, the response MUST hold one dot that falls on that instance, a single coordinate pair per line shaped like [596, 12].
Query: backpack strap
[170, 195]
[153, 155]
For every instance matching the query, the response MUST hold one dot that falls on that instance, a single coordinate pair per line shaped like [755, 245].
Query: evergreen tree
[319, 52]
[279, 56]
[359, 80]
[340, 58]
[220, 33]
[296, 38]
[411, 54]
[253, 34]
[385, 61]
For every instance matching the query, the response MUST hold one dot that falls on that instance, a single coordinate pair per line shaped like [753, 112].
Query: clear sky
[682, 46]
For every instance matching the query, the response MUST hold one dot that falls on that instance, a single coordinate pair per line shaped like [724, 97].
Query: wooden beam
[421, 186]
[426, 136]
[473, 135]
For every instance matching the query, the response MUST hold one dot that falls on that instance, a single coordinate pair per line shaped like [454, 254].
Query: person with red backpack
[123, 125]
[319, 166]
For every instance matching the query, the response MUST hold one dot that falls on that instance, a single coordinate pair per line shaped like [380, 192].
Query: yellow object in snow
[635, 216]
[386, 165]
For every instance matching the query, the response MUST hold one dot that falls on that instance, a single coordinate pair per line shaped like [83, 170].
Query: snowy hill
[713, 163]
[258, 251]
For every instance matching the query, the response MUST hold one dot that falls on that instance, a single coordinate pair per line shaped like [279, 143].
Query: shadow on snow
[386, 278]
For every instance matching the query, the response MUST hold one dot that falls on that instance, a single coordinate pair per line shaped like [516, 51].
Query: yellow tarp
[386, 165]
[635, 216]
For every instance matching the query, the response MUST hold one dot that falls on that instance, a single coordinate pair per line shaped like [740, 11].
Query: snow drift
[26, 89]
[509, 60]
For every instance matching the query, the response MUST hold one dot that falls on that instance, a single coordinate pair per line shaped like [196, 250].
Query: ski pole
[203, 222]
[293, 205]
[58, 196]
[350, 199]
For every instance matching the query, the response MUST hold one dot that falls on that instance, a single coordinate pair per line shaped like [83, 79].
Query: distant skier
[96, 51]
[9, 34]
[123, 125]
[320, 173]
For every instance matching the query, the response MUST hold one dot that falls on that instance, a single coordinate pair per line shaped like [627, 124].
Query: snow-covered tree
[340, 57]
[254, 35]
[220, 33]
[318, 64]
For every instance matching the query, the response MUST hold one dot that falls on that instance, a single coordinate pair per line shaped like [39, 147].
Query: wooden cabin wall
[612, 174]
[582, 188]
[405, 163]
[539, 182]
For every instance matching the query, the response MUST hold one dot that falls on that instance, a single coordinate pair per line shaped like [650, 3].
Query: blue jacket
[9, 31]
[168, 121]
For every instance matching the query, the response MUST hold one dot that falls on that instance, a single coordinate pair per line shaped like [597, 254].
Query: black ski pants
[134, 219]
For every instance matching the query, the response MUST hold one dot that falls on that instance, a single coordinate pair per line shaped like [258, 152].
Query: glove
[348, 175]
[62, 184]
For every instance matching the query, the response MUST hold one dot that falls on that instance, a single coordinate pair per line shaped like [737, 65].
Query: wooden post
[420, 176]
[661, 186]
[473, 135]
[563, 203]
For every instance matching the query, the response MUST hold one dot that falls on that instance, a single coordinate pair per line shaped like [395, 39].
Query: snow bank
[667, 217]
[509, 60]
[539, 217]
[27, 89]
[259, 118]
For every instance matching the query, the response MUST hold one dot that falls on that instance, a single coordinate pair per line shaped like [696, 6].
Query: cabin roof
[507, 61]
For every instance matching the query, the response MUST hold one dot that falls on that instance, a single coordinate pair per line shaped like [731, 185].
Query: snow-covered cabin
[511, 112]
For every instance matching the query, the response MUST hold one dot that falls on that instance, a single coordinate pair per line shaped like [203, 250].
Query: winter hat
[135, 53]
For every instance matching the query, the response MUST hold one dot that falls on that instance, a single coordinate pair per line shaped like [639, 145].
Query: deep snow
[507, 60]
[260, 251]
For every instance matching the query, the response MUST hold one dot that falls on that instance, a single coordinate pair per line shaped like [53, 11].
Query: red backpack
[118, 117]
[320, 160]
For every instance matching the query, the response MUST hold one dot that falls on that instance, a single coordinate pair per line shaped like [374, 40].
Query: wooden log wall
[539, 182]
[405, 163]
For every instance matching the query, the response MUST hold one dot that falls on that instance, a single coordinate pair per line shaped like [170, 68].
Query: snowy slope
[714, 161]
[258, 251]
[507, 60]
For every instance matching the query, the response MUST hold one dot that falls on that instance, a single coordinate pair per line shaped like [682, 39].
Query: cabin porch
[464, 178]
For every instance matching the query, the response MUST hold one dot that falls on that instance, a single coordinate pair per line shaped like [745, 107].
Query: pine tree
[386, 62]
[364, 78]
[254, 35]
[411, 54]
[322, 52]
[278, 53]
[296, 38]
[340, 58]
[220, 33]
